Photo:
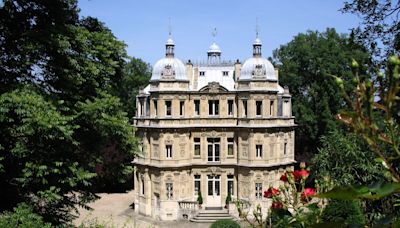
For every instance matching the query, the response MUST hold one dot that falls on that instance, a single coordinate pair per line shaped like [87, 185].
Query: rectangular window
[230, 107]
[258, 108]
[168, 151]
[213, 149]
[142, 180]
[230, 184]
[244, 107]
[202, 73]
[258, 190]
[213, 107]
[170, 190]
[168, 108]
[271, 108]
[197, 107]
[182, 108]
[225, 73]
[155, 107]
[230, 146]
[285, 148]
[258, 151]
[141, 108]
[197, 147]
[197, 184]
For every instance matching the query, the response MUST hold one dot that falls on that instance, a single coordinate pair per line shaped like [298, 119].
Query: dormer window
[202, 73]
[225, 73]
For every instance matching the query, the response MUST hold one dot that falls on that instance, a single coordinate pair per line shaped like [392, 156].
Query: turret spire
[169, 46]
[257, 42]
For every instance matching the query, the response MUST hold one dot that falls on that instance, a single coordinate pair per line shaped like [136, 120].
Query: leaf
[375, 191]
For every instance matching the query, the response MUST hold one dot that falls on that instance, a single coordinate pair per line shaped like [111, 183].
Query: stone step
[209, 216]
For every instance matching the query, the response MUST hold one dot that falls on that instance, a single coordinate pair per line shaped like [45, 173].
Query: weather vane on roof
[257, 27]
[214, 33]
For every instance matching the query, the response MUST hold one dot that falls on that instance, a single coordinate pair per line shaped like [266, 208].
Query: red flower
[307, 193]
[267, 194]
[299, 174]
[277, 205]
[284, 177]
[271, 192]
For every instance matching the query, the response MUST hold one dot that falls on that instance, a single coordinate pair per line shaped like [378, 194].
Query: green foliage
[228, 198]
[64, 131]
[379, 28]
[22, 217]
[345, 212]
[136, 75]
[345, 159]
[200, 198]
[305, 64]
[225, 223]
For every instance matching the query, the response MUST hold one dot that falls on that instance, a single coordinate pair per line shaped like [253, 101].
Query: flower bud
[354, 64]
[302, 165]
[339, 82]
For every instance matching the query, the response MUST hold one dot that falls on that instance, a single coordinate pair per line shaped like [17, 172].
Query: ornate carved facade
[212, 128]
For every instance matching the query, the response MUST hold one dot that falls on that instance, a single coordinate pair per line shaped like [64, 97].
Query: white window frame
[170, 108]
[196, 107]
[196, 144]
[168, 151]
[197, 181]
[169, 189]
[232, 143]
[215, 144]
[230, 179]
[259, 105]
[214, 104]
[259, 151]
[230, 107]
[258, 190]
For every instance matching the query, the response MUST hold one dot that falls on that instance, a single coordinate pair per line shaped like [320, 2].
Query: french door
[213, 149]
[214, 191]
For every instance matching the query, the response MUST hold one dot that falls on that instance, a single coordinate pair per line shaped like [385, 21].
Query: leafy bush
[225, 223]
[22, 217]
[200, 199]
[346, 212]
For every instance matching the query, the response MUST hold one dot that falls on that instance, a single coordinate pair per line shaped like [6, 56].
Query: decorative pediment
[259, 71]
[213, 87]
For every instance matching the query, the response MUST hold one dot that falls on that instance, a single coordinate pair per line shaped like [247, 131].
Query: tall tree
[63, 128]
[379, 29]
[136, 75]
[305, 65]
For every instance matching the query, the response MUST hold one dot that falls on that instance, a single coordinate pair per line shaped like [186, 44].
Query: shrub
[225, 223]
[344, 212]
[22, 217]
[200, 199]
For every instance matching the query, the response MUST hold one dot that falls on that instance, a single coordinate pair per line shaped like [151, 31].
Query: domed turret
[257, 67]
[169, 68]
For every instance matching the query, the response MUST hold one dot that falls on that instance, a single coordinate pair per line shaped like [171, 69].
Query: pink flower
[299, 174]
[307, 193]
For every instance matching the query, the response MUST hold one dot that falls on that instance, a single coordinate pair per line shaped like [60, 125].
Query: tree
[64, 130]
[379, 29]
[305, 64]
[136, 75]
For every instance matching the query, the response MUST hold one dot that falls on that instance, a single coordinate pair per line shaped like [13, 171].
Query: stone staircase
[210, 215]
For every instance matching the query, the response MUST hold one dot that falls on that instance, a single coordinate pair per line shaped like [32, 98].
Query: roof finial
[169, 27]
[257, 28]
[214, 33]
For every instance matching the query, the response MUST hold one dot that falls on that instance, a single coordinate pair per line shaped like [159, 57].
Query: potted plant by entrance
[228, 199]
[200, 199]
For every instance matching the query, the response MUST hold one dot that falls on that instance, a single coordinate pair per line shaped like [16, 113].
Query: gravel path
[113, 210]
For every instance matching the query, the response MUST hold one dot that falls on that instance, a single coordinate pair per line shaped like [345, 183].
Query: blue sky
[143, 25]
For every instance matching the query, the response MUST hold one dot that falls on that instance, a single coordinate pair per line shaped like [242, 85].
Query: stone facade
[204, 128]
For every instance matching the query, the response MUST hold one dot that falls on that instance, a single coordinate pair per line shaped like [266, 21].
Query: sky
[144, 25]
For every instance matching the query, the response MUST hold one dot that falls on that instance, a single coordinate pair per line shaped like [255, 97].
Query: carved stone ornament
[168, 72]
[213, 87]
[259, 71]
[214, 170]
